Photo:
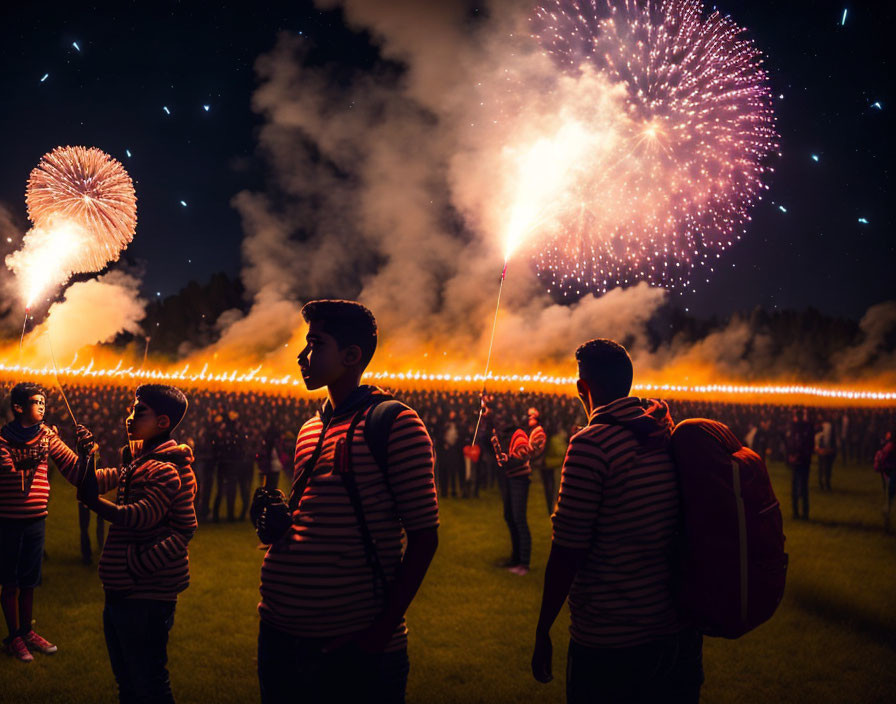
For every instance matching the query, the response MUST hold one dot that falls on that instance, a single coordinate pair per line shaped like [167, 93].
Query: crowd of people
[235, 433]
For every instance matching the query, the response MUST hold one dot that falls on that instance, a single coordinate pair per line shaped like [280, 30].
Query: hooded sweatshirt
[316, 581]
[619, 503]
[145, 554]
[24, 452]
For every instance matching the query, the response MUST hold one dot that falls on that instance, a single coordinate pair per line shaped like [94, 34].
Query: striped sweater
[24, 486]
[145, 555]
[518, 453]
[316, 582]
[538, 445]
[619, 502]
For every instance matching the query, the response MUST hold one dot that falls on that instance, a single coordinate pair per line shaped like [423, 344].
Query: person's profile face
[321, 361]
[143, 423]
[33, 411]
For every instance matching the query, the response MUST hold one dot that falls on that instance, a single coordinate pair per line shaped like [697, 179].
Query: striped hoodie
[24, 486]
[316, 581]
[619, 502]
[145, 555]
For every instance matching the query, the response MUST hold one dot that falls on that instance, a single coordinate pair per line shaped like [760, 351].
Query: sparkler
[656, 184]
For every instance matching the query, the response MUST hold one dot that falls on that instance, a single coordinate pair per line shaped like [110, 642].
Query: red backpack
[732, 564]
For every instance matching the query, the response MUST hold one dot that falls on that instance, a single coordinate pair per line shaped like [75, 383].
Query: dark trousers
[84, 525]
[205, 478]
[799, 489]
[668, 670]
[137, 640]
[515, 496]
[226, 476]
[825, 465]
[294, 670]
[548, 483]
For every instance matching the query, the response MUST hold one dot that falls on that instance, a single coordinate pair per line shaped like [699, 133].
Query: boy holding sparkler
[26, 445]
[144, 563]
[335, 583]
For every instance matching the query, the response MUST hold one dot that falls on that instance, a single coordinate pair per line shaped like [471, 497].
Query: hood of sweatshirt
[170, 451]
[649, 419]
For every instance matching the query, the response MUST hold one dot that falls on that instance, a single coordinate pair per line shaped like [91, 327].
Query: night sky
[134, 60]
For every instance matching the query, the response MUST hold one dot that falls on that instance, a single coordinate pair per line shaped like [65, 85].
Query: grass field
[832, 640]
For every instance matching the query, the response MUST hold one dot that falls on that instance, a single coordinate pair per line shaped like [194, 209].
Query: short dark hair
[349, 322]
[164, 400]
[22, 392]
[607, 364]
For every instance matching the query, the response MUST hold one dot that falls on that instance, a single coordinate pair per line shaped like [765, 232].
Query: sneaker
[40, 644]
[521, 570]
[17, 648]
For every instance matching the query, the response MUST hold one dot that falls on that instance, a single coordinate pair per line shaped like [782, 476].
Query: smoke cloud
[91, 312]
[393, 186]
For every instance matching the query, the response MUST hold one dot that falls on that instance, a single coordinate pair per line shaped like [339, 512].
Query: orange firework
[84, 210]
[91, 189]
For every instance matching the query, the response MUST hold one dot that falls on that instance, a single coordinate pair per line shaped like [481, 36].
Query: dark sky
[135, 59]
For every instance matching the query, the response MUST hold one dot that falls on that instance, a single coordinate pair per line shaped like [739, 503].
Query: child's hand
[86, 442]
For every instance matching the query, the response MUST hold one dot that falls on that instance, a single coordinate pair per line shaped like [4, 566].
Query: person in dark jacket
[800, 443]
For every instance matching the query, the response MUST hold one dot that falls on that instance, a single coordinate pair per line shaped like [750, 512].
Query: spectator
[614, 527]
[800, 442]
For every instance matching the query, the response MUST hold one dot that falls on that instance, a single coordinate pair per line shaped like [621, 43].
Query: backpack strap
[351, 488]
[377, 430]
[298, 486]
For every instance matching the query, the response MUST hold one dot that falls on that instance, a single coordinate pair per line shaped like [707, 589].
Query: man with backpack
[614, 526]
[335, 582]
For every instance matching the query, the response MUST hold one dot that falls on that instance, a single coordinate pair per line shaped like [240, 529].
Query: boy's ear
[164, 422]
[17, 409]
[352, 355]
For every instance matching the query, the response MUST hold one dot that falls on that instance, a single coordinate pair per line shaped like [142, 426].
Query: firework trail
[84, 210]
[662, 183]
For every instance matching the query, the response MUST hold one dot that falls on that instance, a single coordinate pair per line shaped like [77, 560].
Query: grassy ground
[832, 640]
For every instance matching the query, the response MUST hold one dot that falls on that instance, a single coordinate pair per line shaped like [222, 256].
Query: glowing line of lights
[255, 377]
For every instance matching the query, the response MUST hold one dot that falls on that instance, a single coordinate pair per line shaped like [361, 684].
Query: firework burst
[84, 210]
[91, 189]
[667, 184]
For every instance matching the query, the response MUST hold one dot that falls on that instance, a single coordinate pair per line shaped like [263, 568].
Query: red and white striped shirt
[538, 443]
[24, 487]
[619, 501]
[145, 556]
[316, 581]
[518, 456]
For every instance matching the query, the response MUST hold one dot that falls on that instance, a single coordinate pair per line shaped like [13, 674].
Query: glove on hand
[274, 521]
[86, 442]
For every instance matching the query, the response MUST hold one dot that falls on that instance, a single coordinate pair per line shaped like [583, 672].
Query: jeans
[137, 639]
[293, 669]
[668, 670]
[515, 496]
[799, 490]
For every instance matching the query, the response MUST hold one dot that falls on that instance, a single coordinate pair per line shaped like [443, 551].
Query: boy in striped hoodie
[144, 564]
[26, 445]
[611, 550]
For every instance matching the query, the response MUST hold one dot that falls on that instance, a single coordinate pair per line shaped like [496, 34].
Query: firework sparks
[668, 180]
[84, 210]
